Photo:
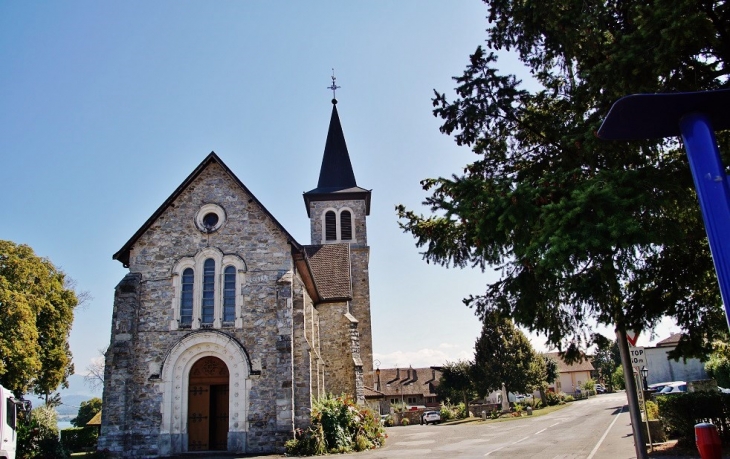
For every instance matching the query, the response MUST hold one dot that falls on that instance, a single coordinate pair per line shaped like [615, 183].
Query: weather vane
[334, 87]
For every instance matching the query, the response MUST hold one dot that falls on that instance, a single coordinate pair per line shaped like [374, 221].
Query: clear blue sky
[106, 107]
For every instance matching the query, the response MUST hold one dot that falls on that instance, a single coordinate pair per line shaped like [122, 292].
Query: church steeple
[336, 176]
[336, 171]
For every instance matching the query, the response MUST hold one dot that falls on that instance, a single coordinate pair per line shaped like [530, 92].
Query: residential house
[571, 377]
[663, 369]
[412, 387]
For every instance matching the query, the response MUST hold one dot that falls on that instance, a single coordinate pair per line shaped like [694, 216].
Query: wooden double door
[208, 405]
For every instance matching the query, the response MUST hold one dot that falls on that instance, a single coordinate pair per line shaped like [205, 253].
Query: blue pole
[713, 191]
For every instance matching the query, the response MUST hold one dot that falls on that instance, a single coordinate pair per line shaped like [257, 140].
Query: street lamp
[644, 374]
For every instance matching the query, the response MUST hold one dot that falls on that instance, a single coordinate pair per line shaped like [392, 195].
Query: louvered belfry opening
[346, 225]
[330, 223]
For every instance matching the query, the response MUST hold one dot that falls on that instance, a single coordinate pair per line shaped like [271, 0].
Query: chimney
[377, 379]
[409, 374]
[397, 373]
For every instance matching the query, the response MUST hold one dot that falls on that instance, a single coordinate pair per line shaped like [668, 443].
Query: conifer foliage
[581, 229]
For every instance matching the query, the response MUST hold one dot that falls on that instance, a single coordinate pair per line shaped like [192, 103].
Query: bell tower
[337, 210]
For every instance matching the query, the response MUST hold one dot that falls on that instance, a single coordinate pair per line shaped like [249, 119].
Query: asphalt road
[597, 428]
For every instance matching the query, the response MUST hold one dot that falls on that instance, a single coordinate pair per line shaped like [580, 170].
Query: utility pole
[634, 410]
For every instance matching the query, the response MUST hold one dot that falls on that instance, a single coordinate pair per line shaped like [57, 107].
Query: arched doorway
[208, 405]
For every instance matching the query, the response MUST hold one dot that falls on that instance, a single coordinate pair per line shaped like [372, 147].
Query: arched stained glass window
[346, 225]
[208, 304]
[186, 297]
[229, 294]
[330, 223]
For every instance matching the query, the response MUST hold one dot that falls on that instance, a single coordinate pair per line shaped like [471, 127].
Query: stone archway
[176, 377]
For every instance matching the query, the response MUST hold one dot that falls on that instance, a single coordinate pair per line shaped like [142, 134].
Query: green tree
[36, 312]
[617, 378]
[503, 355]
[38, 435]
[606, 358]
[87, 410]
[457, 382]
[718, 365]
[582, 230]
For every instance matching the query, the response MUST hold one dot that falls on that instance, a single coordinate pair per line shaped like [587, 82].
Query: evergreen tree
[582, 230]
[503, 355]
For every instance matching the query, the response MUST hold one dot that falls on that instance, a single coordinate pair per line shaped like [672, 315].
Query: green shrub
[568, 398]
[494, 414]
[77, 439]
[460, 411]
[38, 436]
[681, 412]
[446, 413]
[652, 410]
[589, 386]
[404, 422]
[339, 425]
[551, 398]
[718, 368]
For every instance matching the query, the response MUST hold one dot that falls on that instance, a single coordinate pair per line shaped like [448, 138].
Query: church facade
[226, 329]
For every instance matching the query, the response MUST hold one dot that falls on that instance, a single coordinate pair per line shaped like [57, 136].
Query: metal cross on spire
[334, 87]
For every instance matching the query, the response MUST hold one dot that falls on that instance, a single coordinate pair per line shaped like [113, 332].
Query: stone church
[226, 329]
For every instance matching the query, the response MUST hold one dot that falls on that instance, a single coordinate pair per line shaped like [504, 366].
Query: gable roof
[673, 340]
[330, 266]
[409, 381]
[123, 254]
[563, 367]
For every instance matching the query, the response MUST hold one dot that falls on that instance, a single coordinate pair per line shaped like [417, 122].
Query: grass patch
[508, 417]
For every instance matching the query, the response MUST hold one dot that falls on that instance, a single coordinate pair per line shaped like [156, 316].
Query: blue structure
[694, 116]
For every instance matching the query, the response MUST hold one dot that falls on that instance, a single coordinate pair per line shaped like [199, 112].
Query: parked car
[431, 417]
[674, 388]
[656, 387]
[600, 389]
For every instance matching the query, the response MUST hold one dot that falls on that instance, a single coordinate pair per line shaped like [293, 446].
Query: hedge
[681, 412]
[77, 439]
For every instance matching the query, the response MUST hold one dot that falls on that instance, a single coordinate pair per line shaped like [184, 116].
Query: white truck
[8, 424]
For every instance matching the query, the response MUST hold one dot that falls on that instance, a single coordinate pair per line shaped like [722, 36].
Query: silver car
[431, 417]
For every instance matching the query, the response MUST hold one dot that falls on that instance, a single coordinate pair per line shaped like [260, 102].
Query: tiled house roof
[563, 367]
[673, 340]
[408, 381]
[330, 266]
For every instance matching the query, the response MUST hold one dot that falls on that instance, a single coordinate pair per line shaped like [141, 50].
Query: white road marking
[501, 447]
[540, 431]
[598, 445]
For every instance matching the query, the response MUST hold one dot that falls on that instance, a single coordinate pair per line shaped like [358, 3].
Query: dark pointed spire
[336, 177]
[336, 171]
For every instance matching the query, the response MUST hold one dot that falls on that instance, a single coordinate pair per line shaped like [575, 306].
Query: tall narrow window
[186, 297]
[207, 307]
[346, 225]
[229, 294]
[330, 223]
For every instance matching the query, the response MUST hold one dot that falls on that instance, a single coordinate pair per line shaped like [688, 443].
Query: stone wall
[359, 307]
[359, 227]
[135, 391]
